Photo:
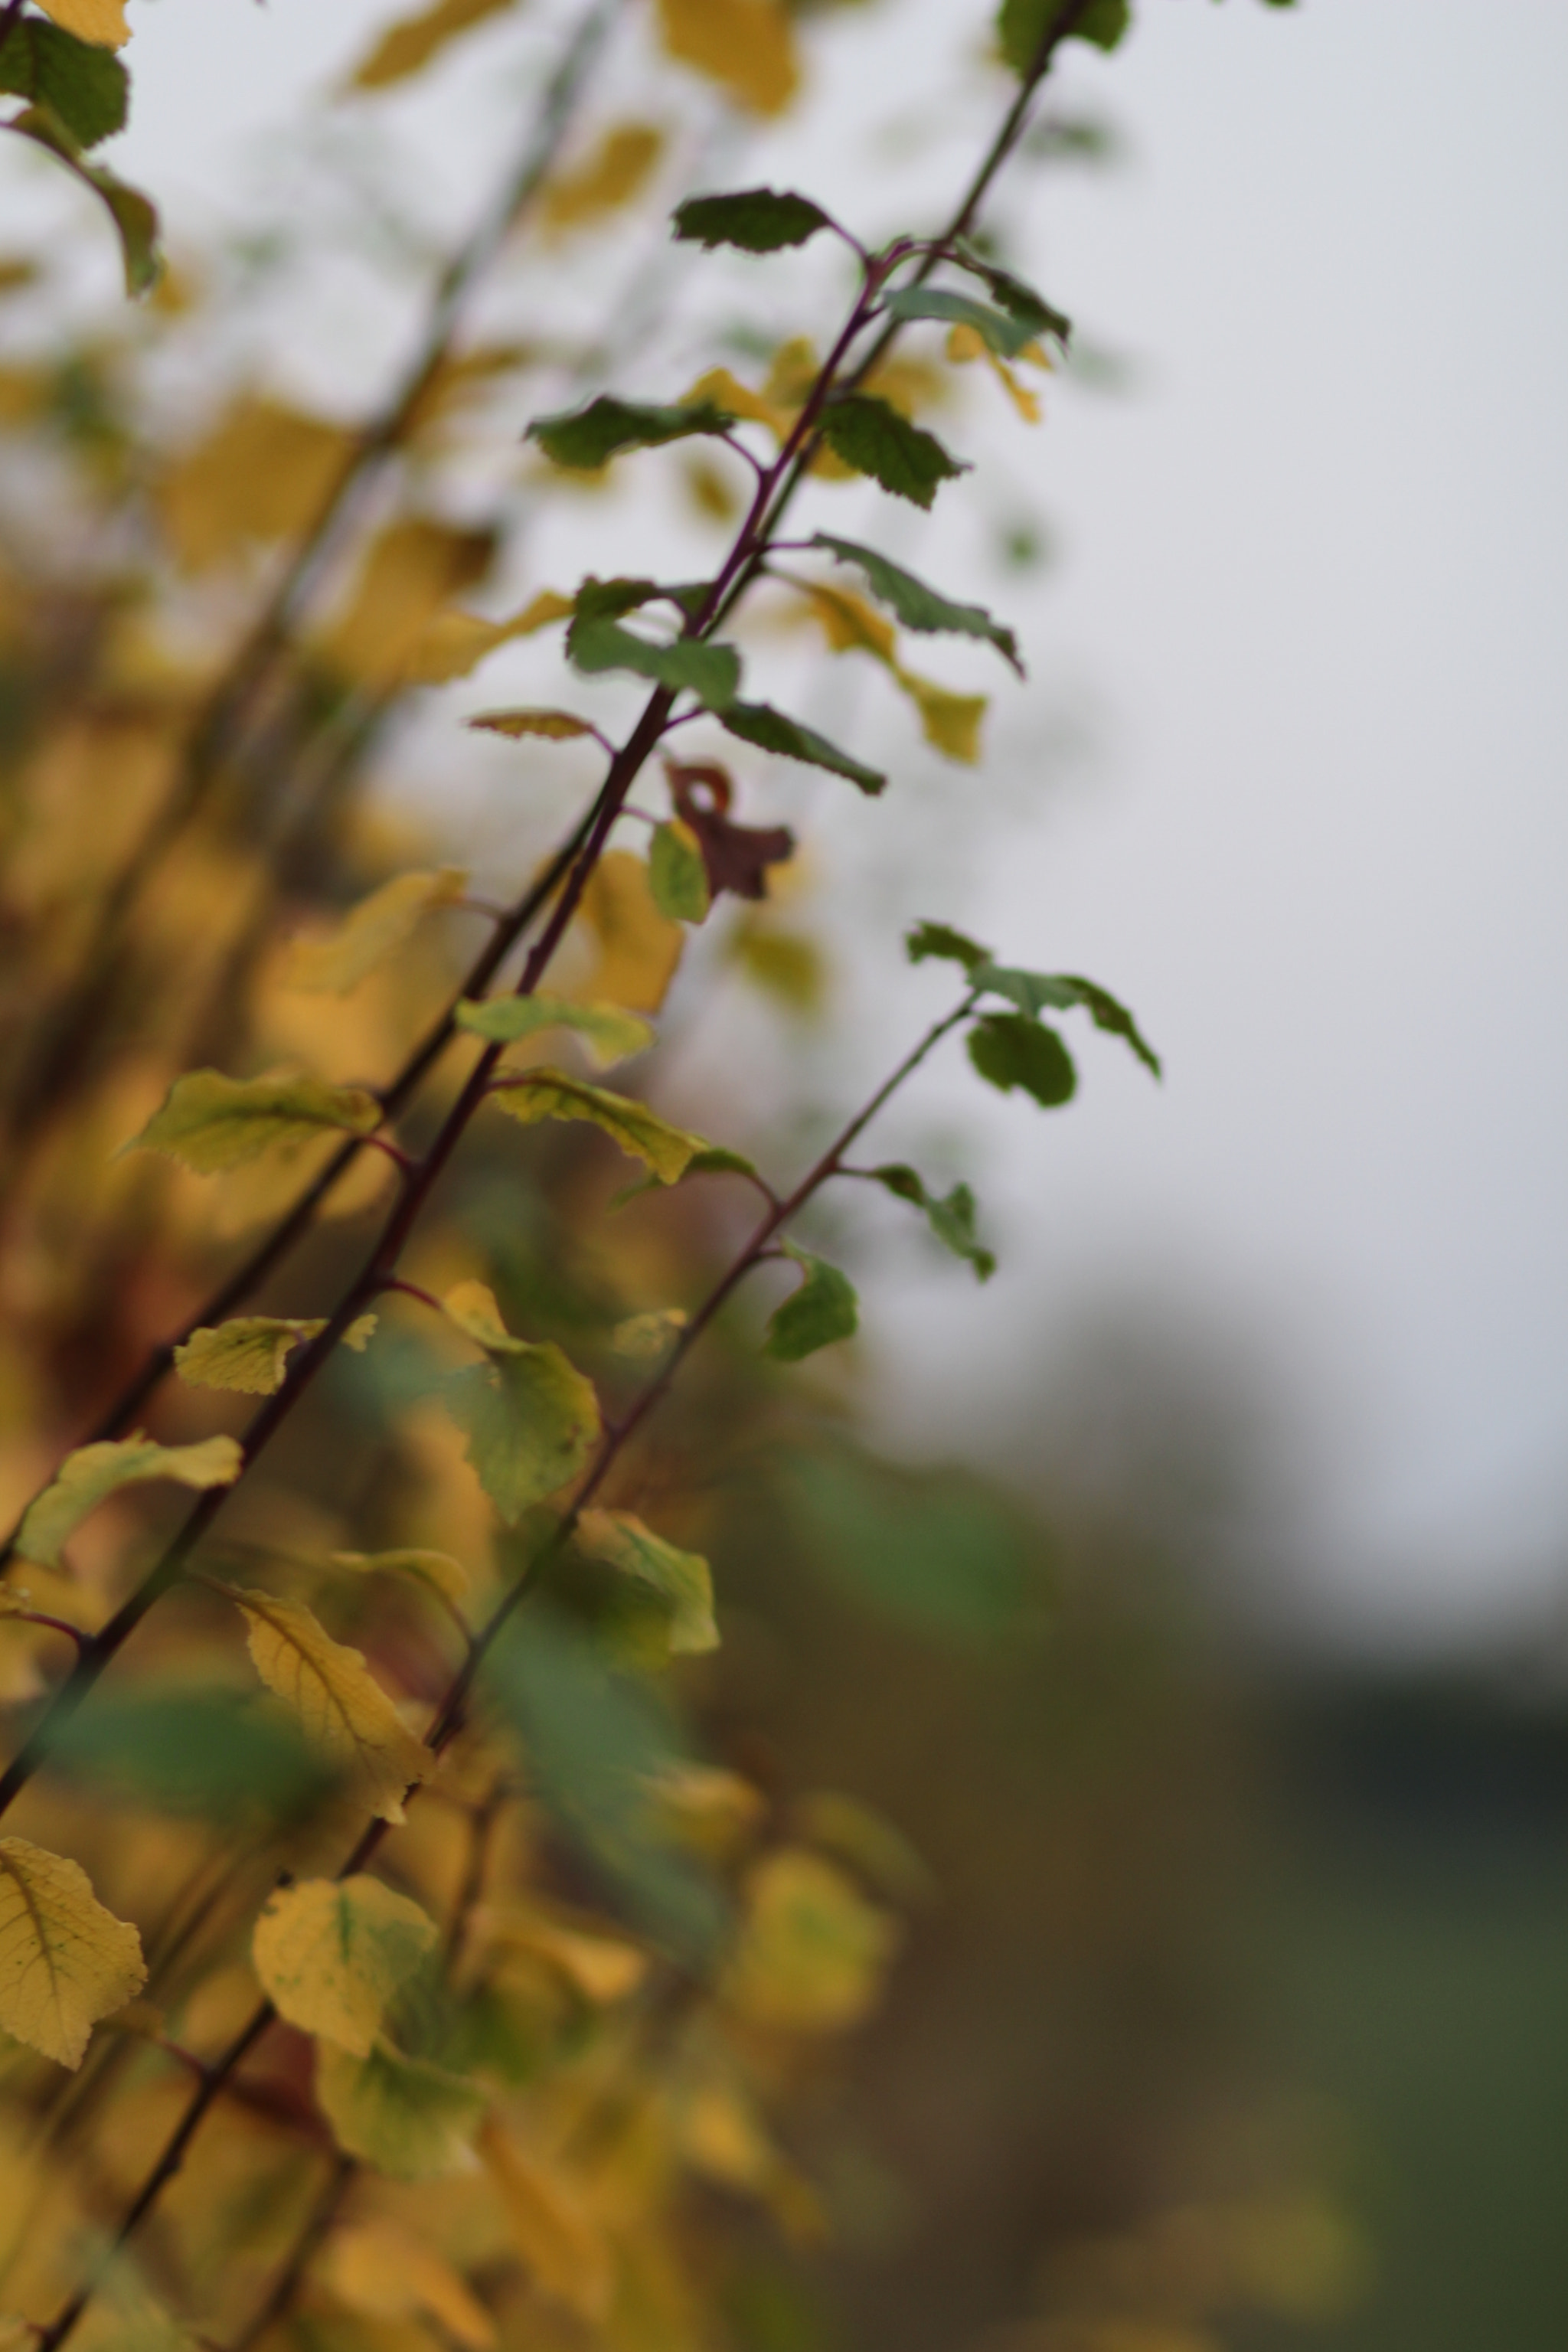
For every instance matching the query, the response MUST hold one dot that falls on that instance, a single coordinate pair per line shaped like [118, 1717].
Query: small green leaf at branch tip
[771, 730]
[87, 88]
[686, 665]
[951, 1219]
[211, 1122]
[1033, 991]
[610, 1034]
[940, 940]
[681, 1579]
[554, 726]
[532, 1421]
[1010, 1050]
[1023, 25]
[918, 607]
[999, 330]
[677, 874]
[640, 1132]
[870, 435]
[754, 220]
[1018, 299]
[93, 1473]
[584, 439]
[135, 218]
[822, 1309]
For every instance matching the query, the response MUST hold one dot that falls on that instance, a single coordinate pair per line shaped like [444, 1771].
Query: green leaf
[757, 220]
[85, 87]
[918, 607]
[713, 1159]
[1004, 334]
[532, 1421]
[771, 730]
[610, 1034]
[936, 1553]
[135, 218]
[1104, 1010]
[640, 1132]
[93, 1473]
[193, 1752]
[710, 672]
[1032, 991]
[868, 435]
[409, 2119]
[676, 874]
[951, 1219]
[1017, 298]
[331, 1953]
[587, 438]
[211, 1122]
[681, 1579]
[1022, 26]
[822, 1310]
[606, 599]
[1010, 1050]
[940, 939]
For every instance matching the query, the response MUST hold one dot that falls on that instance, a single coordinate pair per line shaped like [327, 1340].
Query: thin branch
[287, 2285]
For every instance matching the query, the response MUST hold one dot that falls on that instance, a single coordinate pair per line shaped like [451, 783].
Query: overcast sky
[1307, 623]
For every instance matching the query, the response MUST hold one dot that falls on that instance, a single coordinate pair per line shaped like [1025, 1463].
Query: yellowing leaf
[681, 1579]
[412, 41]
[455, 644]
[250, 1352]
[813, 1951]
[65, 1961]
[949, 721]
[101, 22]
[435, 1570]
[644, 1336]
[704, 1806]
[331, 1953]
[724, 391]
[746, 46]
[639, 947]
[532, 1421]
[373, 930]
[408, 574]
[610, 1034]
[265, 472]
[601, 1967]
[94, 1472]
[211, 1122]
[553, 726]
[341, 1707]
[380, 2270]
[410, 2119]
[551, 2227]
[611, 176]
[471, 1305]
[640, 1132]
[964, 345]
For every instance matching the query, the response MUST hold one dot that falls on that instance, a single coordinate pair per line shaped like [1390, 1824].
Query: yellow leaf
[378, 2269]
[641, 1133]
[249, 1353]
[727, 392]
[410, 2119]
[407, 575]
[708, 1808]
[644, 1336]
[792, 373]
[600, 1967]
[373, 931]
[330, 1954]
[555, 726]
[950, 721]
[341, 1707]
[455, 644]
[472, 1307]
[101, 22]
[611, 176]
[437, 1570]
[94, 1472]
[639, 947]
[681, 1579]
[412, 41]
[964, 346]
[65, 1961]
[746, 46]
[848, 623]
[813, 1951]
[265, 472]
[609, 1035]
[361, 1332]
[553, 2231]
[212, 1122]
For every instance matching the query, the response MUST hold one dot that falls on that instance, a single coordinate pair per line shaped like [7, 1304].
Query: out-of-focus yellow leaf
[639, 946]
[951, 722]
[460, 379]
[964, 346]
[640, 1132]
[331, 1953]
[211, 1122]
[554, 2234]
[812, 1952]
[785, 963]
[746, 46]
[859, 1836]
[644, 1336]
[682, 1580]
[408, 2118]
[725, 391]
[101, 22]
[436, 1569]
[713, 1810]
[412, 41]
[265, 472]
[455, 644]
[249, 1353]
[471, 1305]
[609, 1033]
[65, 1961]
[601, 1967]
[341, 1707]
[408, 574]
[611, 176]
[379, 2269]
[554, 726]
[373, 931]
[92, 1472]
